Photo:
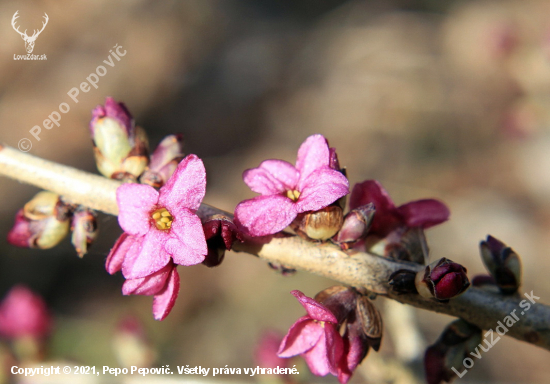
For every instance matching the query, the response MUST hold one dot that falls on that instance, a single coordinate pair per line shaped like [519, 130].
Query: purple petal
[187, 244]
[135, 202]
[186, 187]
[312, 155]
[118, 252]
[301, 337]
[266, 215]
[315, 310]
[272, 177]
[147, 257]
[371, 191]
[424, 213]
[165, 300]
[387, 217]
[323, 187]
[335, 347]
[148, 285]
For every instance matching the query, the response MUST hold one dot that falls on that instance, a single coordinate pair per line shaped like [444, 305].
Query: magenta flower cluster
[162, 230]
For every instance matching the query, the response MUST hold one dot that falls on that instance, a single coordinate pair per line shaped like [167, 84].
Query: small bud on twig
[42, 223]
[442, 280]
[502, 263]
[84, 227]
[120, 148]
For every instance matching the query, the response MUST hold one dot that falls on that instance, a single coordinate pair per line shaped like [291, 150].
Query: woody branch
[362, 270]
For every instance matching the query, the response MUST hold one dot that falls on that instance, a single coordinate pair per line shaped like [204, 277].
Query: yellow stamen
[293, 195]
[162, 218]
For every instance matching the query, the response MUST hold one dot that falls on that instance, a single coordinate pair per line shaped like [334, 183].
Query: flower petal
[115, 258]
[148, 285]
[186, 244]
[312, 155]
[301, 337]
[315, 310]
[371, 191]
[323, 358]
[387, 218]
[186, 187]
[265, 215]
[272, 177]
[165, 300]
[146, 257]
[317, 359]
[424, 213]
[322, 188]
[335, 347]
[135, 202]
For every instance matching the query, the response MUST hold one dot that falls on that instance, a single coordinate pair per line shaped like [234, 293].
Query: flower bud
[355, 226]
[220, 233]
[24, 314]
[84, 227]
[455, 343]
[319, 225]
[42, 223]
[164, 161]
[265, 353]
[120, 148]
[442, 280]
[502, 263]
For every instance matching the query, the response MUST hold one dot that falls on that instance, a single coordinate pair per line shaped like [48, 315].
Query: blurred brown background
[434, 99]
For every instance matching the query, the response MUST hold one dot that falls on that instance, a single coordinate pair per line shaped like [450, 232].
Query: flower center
[293, 195]
[162, 218]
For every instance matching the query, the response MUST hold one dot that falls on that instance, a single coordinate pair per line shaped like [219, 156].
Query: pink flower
[162, 225]
[288, 190]
[387, 218]
[163, 284]
[265, 354]
[161, 230]
[23, 313]
[316, 337]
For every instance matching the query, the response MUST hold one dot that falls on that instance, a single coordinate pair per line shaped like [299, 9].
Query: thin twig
[477, 306]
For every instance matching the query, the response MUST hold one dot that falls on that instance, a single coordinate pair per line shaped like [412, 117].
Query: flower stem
[476, 306]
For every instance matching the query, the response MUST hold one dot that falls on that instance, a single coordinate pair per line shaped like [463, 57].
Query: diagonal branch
[476, 306]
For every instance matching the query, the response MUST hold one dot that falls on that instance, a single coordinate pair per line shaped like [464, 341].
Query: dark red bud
[220, 233]
[442, 280]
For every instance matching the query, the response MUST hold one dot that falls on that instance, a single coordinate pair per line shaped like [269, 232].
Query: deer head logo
[29, 40]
